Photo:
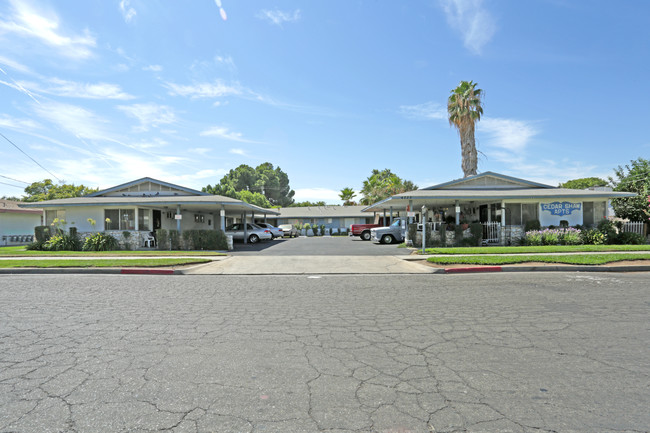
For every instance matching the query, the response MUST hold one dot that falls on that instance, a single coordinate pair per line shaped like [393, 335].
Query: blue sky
[101, 92]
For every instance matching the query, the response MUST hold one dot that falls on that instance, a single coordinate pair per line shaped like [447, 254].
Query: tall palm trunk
[468, 150]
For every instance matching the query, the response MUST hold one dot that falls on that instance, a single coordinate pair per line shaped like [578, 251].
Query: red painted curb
[148, 271]
[474, 269]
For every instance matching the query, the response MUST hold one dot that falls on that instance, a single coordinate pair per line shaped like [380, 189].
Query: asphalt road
[318, 246]
[562, 352]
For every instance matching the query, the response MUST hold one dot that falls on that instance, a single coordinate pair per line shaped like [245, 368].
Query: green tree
[254, 198]
[266, 180]
[347, 194]
[583, 183]
[383, 184]
[465, 108]
[308, 204]
[47, 190]
[633, 177]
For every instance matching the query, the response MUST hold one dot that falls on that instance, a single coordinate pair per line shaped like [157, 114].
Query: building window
[119, 219]
[143, 219]
[529, 212]
[513, 214]
[51, 215]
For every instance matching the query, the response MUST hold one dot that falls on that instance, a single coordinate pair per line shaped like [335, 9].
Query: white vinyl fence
[491, 232]
[633, 227]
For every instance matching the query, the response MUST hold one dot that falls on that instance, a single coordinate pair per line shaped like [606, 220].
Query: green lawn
[21, 251]
[540, 249]
[99, 263]
[587, 259]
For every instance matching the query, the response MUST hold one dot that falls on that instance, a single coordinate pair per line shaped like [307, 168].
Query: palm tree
[465, 108]
[347, 194]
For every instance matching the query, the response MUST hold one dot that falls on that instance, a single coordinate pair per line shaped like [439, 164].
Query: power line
[12, 143]
[16, 180]
[5, 183]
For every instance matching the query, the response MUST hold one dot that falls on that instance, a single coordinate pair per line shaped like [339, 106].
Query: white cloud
[329, 196]
[203, 90]
[7, 121]
[278, 17]
[149, 115]
[73, 89]
[74, 119]
[225, 133]
[14, 65]
[127, 11]
[427, 110]
[509, 135]
[28, 22]
[474, 22]
[153, 68]
[241, 152]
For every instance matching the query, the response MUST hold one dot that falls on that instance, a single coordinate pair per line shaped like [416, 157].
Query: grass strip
[538, 249]
[590, 259]
[100, 263]
[21, 251]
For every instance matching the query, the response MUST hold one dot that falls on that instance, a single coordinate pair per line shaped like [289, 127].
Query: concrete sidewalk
[291, 265]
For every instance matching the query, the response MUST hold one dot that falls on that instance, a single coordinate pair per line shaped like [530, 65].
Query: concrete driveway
[318, 246]
[313, 255]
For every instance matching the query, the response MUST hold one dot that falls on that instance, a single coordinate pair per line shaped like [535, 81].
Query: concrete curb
[88, 271]
[483, 269]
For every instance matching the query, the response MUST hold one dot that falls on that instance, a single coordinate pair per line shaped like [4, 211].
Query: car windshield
[396, 223]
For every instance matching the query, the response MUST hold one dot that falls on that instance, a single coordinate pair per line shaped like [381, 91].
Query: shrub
[126, 235]
[205, 240]
[162, 239]
[593, 237]
[35, 246]
[550, 237]
[570, 236]
[174, 240]
[533, 238]
[41, 233]
[532, 225]
[628, 238]
[101, 242]
[608, 228]
[322, 229]
[62, 242]
[458, 234]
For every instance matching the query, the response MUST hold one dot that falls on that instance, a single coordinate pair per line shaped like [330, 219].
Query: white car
[276, 232]
[289, 230]
[254, 232]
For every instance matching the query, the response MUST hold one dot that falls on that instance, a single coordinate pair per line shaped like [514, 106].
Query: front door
[156, 220]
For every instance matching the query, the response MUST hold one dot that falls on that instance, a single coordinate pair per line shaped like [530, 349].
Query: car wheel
[387, 239]
[253, 239]
[365, 236]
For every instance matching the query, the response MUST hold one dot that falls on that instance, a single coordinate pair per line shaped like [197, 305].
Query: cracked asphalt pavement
[565, 352]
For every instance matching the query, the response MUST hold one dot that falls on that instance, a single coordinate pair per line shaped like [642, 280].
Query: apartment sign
[561, 208]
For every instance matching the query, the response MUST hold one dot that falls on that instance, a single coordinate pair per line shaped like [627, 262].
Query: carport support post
[457, 213]
[222, 215]
[264, 218]
[384, 216]
[391, 215]
[424, 229]
[243, 218]
[178, 221]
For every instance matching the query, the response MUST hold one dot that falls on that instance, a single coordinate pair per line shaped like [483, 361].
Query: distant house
[505, 201]
[17, 224]
[145, 205]
[329, 216]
